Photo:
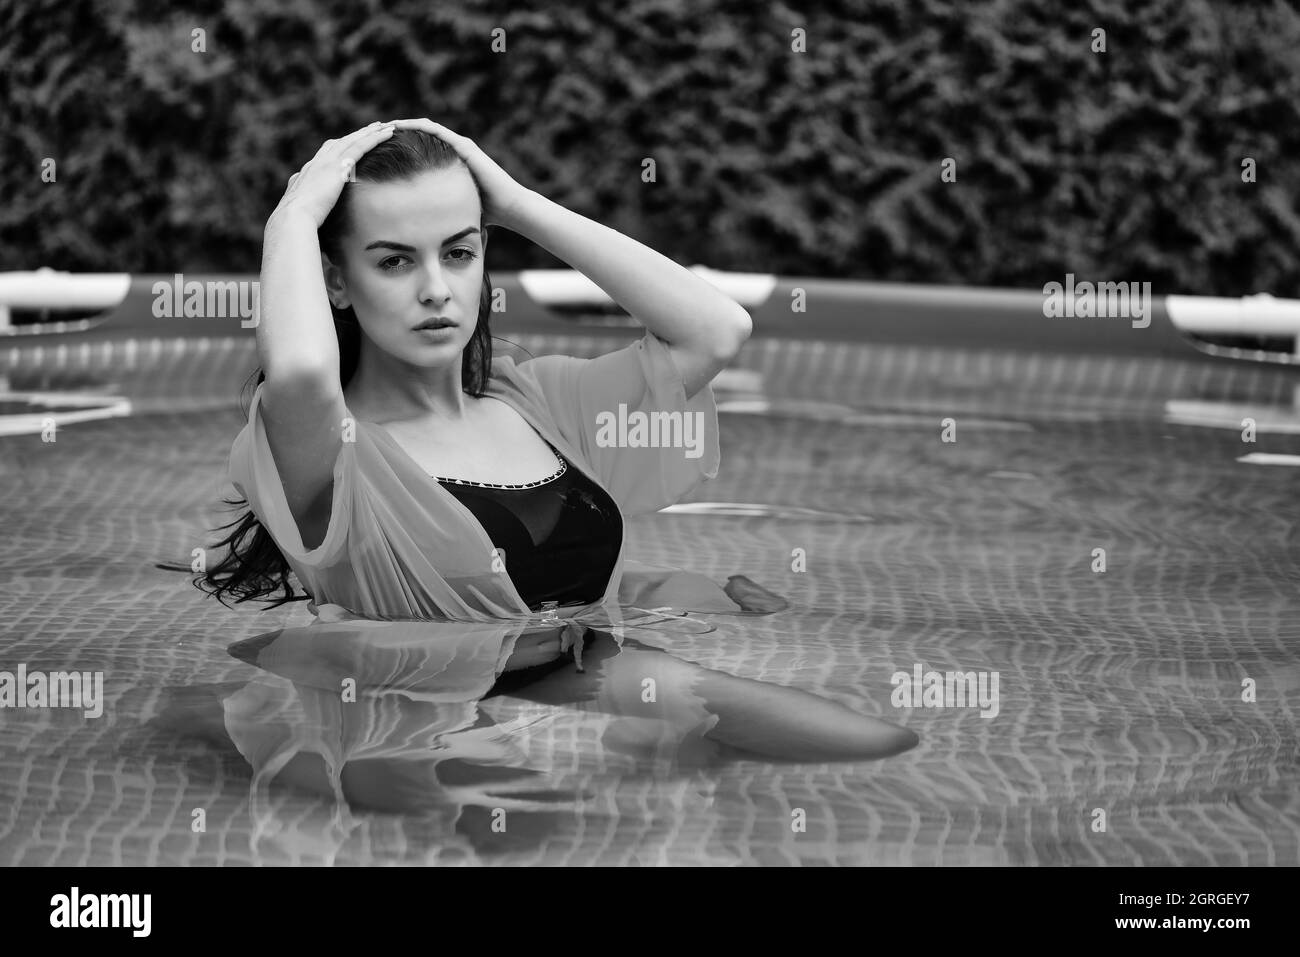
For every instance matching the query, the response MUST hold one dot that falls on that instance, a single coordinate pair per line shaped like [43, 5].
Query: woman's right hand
[315, 188]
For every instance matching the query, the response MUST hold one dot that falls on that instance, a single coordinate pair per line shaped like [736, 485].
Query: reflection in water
[395, 716]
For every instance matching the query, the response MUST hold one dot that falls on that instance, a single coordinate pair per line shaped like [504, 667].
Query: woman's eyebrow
[402, 247]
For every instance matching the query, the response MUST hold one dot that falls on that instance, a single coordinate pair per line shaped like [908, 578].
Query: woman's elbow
[740, 327]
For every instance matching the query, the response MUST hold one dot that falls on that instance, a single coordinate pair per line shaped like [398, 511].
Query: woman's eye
[395, 263]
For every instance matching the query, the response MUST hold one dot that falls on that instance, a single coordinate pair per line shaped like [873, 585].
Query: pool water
[1147, 712]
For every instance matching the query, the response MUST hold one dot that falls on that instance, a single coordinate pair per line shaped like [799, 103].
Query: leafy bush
[1124, 164]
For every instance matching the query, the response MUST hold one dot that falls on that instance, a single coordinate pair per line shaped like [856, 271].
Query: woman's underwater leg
[756, 717]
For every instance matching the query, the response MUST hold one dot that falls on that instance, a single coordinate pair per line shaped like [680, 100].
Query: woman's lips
[435, 322]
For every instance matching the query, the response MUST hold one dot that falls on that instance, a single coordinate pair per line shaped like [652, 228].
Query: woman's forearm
[668, 299]
[295, 334]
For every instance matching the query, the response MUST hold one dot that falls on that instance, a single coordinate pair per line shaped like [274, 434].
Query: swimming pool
[1121, 691]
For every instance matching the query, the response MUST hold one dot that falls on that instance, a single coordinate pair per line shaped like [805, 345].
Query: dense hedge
[1125, 164]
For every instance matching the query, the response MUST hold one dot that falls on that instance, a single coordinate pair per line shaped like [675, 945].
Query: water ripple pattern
[1123, 692]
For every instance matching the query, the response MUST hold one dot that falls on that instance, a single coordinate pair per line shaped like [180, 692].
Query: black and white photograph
[662, 434]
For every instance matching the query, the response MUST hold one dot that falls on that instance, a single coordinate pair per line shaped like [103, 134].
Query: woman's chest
[497, 446]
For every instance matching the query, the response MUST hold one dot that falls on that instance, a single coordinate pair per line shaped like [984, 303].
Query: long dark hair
[254, 567]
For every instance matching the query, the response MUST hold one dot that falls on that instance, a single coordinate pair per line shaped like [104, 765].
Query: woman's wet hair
[254, 568]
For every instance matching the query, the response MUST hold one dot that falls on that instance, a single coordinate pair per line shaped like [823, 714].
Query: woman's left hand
[502, 195]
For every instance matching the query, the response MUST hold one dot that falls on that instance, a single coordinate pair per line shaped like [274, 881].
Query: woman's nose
[434, 288]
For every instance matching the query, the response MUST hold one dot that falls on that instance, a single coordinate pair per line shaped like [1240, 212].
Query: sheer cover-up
[399, 546]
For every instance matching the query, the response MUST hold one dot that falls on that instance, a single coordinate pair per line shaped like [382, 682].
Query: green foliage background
[1125, 164]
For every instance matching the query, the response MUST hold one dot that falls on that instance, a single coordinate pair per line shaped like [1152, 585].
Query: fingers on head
[352, 145]
[422, 123]
[345, 141]
[374, 129]
[364, 140]
[354, 151]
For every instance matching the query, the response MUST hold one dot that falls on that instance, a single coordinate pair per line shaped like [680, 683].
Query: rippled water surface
[1159, 697]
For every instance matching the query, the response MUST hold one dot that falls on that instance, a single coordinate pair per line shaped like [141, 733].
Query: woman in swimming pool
[352, 428]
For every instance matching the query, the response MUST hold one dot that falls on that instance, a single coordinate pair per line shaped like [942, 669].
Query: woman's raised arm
[302, 404]
[295, 333]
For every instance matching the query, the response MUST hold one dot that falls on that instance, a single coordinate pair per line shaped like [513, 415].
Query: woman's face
[413, 252]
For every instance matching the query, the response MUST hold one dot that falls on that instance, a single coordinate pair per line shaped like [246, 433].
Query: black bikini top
[559, 536]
